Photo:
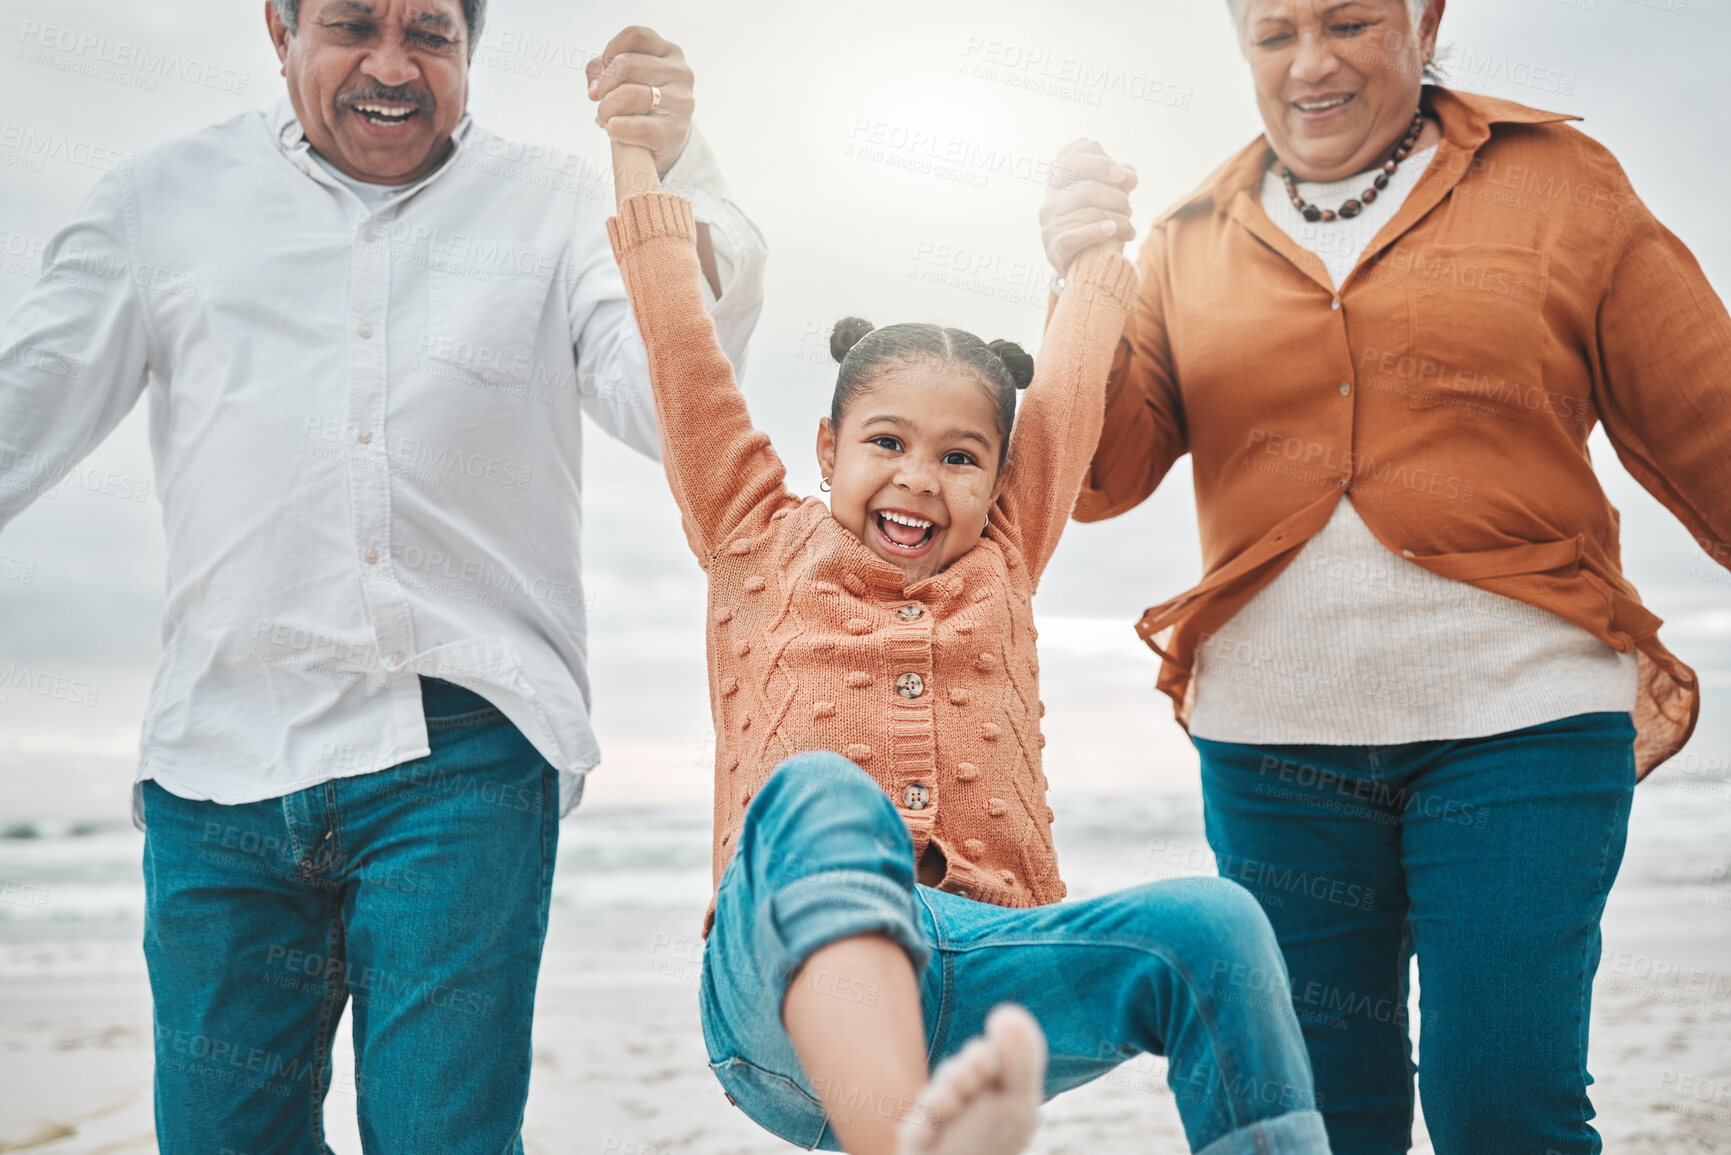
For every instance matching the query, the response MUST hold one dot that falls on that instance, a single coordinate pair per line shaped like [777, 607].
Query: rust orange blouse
[1522, 294]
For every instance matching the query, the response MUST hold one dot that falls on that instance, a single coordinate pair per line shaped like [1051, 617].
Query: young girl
[883, 851]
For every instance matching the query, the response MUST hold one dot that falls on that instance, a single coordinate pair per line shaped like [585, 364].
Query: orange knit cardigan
[816, 643]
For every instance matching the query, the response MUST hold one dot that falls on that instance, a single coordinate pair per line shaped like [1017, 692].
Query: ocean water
[72, 894]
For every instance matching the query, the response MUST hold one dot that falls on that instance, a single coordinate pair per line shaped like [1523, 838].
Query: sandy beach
[619, 1059]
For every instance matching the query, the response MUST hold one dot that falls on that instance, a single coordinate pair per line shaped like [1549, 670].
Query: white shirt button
[365, 437]
[917, 796]
[369, 237]
[366, 332]
[372, 556]
[397, 659]
[910, 685]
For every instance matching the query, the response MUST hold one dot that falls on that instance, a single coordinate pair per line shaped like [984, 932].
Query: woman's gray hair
[474, 15]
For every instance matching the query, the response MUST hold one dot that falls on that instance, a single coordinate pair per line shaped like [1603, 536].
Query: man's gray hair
[474, 15]
[1417, 7]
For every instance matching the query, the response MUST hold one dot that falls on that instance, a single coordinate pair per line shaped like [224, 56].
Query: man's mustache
[396, 94]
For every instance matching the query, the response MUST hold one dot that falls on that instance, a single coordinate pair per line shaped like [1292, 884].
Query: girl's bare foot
[984, 1099]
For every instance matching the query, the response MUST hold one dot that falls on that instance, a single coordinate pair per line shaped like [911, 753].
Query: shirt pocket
[488, 325]
[1478, 329]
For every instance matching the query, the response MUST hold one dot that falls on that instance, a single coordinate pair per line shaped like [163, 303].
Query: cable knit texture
[815, 642]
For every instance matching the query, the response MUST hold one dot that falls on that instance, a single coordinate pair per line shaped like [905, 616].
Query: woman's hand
[1087, 192]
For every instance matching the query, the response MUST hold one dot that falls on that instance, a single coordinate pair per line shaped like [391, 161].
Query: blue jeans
[420, 893]
[1161, 969]
[1492, 858]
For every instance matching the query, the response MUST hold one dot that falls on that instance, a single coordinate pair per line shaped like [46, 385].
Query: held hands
[1087, 203]
[643, 89]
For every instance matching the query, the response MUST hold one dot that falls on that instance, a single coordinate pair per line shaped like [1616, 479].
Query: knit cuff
[645, 216]
[1098, 274]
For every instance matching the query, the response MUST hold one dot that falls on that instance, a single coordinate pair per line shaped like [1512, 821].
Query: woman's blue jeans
[419, 894]
[1164, 969]
[1492, 859]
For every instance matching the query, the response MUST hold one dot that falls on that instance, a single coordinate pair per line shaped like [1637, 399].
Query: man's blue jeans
[1492, 857]
[1162, 969]
[420, 893]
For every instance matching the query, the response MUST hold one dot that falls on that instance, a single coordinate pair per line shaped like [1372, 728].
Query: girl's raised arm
[1058, 425]
[723, 472]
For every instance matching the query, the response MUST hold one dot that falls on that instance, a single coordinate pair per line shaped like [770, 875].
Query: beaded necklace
[1355, 206]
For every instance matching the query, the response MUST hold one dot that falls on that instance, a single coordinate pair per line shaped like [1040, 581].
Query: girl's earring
[824, 485]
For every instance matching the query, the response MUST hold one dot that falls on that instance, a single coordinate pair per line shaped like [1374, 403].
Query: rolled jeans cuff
[1294, 1133]
[809, 913]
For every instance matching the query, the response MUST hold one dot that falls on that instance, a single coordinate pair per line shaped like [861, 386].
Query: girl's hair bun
[1020, 365]
[847, 333]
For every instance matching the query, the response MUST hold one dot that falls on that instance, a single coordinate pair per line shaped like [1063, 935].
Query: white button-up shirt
[366, 429]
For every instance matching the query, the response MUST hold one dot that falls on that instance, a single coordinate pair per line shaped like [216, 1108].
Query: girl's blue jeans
[1492, 859]
[1179, 968]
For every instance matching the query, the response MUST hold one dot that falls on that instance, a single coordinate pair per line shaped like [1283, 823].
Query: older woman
[1420, 685]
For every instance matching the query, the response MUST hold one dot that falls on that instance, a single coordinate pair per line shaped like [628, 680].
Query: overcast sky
[786, 92]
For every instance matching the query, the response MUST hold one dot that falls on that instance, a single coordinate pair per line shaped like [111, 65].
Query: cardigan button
[910, 613]
[1346, 388]
[910, 685]
[917, 796]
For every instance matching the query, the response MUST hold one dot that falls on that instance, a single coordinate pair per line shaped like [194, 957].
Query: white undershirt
[372, 195]
[1354, 645]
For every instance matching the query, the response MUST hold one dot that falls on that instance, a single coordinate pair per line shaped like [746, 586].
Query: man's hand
[624, 79]
[1087, 192]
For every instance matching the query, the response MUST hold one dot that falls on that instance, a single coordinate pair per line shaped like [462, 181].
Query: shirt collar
[1467, 119]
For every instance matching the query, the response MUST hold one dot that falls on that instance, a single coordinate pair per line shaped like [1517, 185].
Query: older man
[368, 330]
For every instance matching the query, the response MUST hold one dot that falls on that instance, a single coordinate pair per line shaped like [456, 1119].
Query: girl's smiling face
[917, 464]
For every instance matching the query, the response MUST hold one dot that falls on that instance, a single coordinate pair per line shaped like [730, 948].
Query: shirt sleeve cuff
[646, 216]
